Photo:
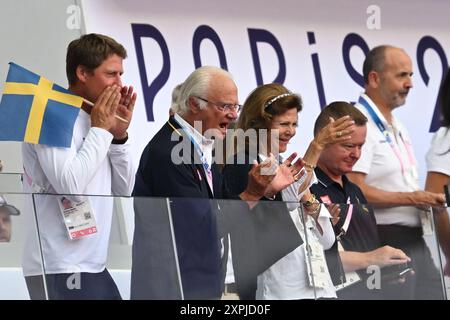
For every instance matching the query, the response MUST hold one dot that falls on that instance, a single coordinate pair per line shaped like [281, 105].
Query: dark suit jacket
[198, 225]
[154, 268]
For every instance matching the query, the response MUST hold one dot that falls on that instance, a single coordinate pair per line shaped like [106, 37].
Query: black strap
[120, 141]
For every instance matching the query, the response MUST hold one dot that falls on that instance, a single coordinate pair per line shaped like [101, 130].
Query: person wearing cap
[6, 211]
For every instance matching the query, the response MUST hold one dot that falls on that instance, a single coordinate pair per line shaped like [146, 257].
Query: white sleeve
[368, 150]
[438, 157]
[69, 171]
[291, 196]
[328, 237]
[122, 169]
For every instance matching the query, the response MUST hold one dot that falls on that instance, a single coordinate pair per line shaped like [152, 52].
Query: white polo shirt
[384, 169]
[438, 157]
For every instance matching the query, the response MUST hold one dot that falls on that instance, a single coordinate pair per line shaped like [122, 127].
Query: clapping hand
[285, 174]
[124, 111]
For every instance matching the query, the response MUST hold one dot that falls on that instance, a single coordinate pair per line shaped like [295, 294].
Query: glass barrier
[180, 248]
[80, 234]
[11, 182]
[17, 235]
[170, 248]
[441, 219]
[274, 258]
[232, 248]
[387, 261]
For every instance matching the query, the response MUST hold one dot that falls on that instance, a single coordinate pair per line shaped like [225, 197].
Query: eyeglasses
[224, 107]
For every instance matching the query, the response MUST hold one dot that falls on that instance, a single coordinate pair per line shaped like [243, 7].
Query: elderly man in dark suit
[178, 163]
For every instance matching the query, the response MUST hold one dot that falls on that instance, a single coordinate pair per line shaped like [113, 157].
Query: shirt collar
[379, 114]
[323, 178]
[326, 181]
[197, 136]
[206, 145]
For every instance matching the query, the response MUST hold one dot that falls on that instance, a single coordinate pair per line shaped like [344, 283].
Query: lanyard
[392, 144]
[36, 188]
[348, 218]
[199, 151]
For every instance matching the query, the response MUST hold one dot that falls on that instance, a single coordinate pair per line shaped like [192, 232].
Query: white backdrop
[399, 23]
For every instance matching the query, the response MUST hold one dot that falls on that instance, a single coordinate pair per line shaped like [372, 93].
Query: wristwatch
[310, 201]
[270, 197]
[120, 141]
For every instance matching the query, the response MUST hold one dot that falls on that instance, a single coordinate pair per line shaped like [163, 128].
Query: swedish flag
[35, 110]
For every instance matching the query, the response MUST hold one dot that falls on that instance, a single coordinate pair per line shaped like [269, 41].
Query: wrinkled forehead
[397, 58]
[223, 89]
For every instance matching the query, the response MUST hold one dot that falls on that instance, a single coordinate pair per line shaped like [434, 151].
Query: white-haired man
[174, 107]
[208, 104]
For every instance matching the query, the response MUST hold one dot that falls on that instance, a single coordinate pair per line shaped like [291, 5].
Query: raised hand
[285, 174]
[335, 131]
[259, 179]
[104, 110]
[124, 112]
[308, 175]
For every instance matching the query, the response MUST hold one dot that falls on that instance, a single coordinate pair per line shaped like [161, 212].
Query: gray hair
[175, 96]
[197, 84]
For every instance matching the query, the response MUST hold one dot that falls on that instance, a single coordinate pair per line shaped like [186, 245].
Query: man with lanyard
[387, 171]
[354, 222]
[178, 163]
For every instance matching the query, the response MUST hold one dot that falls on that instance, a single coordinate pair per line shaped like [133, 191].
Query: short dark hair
[90, 50]
[444, 99]
[337, 110]
[374, 61]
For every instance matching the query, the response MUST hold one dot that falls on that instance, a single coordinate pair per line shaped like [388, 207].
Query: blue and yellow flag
[35, 110]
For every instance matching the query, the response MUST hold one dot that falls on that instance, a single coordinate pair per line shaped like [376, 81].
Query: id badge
[316, 265]
[425, 219]
[78, 218]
